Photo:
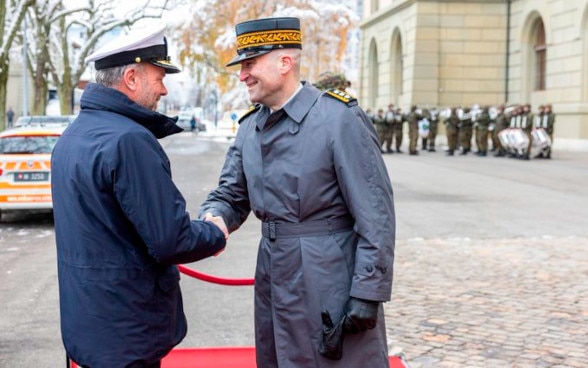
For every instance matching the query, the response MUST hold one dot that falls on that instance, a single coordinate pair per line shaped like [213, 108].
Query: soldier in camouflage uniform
[397, 129]
[452, 129]
[433, 128]
[425, 115]
[500, 123]
[482, 123]
[388, 129]
[548, 126]
[527, 126]
[380, 123]
[466, 131]
[413, 130]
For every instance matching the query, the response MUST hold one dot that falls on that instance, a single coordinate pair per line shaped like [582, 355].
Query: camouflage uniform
[547, 122]
[413, 130]
[452, 128]
[466, 130]
[501, 123]
[426, 115]
[527, 125]
[482, 123]
[388, 129]
[397, 129]
[380, 123]
[433, 128]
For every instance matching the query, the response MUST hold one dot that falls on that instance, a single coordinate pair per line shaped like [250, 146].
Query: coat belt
[274, 230]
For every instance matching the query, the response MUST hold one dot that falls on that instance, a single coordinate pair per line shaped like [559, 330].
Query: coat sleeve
[143, 186]
[366, 187]
[230, 199]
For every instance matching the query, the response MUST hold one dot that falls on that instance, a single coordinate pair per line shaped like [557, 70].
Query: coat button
[369, 268]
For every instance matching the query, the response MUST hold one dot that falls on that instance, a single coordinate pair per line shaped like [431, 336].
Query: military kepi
[260, 36]
[135, 47]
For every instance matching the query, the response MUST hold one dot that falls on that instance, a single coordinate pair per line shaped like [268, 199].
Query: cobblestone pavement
[519, 303]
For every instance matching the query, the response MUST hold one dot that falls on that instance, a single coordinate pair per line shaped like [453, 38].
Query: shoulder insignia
[341, 96]
[251, 110]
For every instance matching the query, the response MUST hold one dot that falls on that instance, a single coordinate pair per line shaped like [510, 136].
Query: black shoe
[449, 153]
[389, 151]
[431, 150]
[413, 153]
[399, 151]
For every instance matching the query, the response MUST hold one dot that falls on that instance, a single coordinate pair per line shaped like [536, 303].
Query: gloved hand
[360, 315]
[331, 346]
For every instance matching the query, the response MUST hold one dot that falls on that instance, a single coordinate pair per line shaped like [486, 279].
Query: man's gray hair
[111, 77]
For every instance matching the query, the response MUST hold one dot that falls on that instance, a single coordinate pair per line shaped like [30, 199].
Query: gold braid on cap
[273, 37]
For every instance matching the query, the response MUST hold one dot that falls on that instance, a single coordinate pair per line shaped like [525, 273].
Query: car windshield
[28, 144]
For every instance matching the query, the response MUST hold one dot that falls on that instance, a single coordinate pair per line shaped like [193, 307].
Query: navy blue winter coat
[121, 227]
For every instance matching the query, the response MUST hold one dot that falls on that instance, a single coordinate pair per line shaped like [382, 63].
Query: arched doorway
[396, 67]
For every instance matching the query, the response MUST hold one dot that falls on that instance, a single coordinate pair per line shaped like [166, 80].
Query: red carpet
[224, 357]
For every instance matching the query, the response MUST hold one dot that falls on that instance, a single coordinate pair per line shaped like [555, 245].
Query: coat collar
[297, 107]
[99, 97]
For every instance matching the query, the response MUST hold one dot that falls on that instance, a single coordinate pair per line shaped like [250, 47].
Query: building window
[540, 56]
[375, 5]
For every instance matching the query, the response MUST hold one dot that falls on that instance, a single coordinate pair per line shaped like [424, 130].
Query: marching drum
[541, 141]
[503, 138]
[519, 139]
[514, 139]
[540, 138]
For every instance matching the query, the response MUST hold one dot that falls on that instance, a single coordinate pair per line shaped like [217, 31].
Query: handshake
[218, 221]
[360, 315]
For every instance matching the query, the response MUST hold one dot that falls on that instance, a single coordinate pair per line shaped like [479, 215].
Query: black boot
[449, 153]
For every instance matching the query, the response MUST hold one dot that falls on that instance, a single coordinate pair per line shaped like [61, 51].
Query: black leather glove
[360, 315]
[332, 345]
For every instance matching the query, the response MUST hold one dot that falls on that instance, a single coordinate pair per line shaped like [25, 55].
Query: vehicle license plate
[31, 176]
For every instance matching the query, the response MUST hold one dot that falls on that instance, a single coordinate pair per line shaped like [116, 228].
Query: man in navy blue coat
[121, 224]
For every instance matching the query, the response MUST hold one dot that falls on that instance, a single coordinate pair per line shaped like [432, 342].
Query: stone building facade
[446, 53]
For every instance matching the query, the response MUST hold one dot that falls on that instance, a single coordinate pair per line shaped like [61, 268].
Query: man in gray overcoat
[307, 163]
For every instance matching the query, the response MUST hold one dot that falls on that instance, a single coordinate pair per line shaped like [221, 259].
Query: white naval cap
[135, 47]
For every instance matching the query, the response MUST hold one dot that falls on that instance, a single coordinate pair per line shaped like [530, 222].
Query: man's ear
[286, 62]
[129, 78]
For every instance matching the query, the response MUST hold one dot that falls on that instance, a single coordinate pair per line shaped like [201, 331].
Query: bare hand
[219, 222]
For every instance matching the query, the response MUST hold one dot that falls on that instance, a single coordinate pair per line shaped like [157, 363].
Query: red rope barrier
[214, 279]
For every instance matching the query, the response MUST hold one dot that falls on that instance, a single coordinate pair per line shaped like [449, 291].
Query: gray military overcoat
[321, 161]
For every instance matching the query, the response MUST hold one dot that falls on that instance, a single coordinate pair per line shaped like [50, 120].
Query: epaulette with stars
[342, 96]
[251, 110]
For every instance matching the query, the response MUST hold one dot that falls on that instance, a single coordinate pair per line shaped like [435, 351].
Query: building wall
[454, 53]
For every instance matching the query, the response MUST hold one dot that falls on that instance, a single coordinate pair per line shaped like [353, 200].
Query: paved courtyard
[491, 303]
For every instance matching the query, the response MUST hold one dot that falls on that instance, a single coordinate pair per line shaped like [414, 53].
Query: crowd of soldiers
[513, 131]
